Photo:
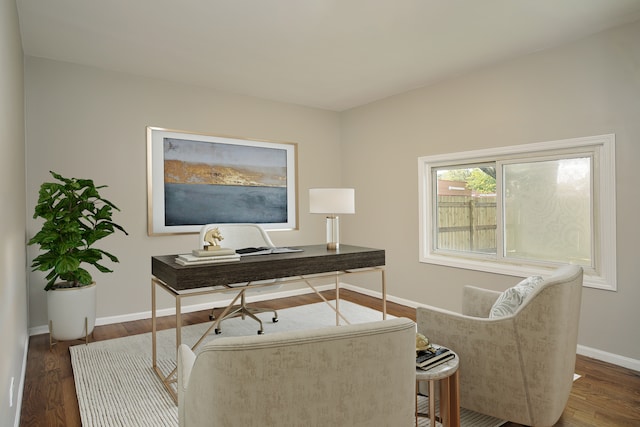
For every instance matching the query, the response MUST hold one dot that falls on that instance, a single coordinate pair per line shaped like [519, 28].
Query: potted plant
[75, 218]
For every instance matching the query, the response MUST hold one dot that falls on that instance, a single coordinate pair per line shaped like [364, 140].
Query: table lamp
[332, 201]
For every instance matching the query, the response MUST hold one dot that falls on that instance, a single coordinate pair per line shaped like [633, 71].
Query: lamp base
[333, 233]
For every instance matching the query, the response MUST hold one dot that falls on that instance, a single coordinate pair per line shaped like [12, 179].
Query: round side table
[447, 374]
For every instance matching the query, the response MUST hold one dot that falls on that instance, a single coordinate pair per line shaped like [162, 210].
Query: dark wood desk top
[312, 260]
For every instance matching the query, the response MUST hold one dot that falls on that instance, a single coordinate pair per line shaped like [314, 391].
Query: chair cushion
[509, 301]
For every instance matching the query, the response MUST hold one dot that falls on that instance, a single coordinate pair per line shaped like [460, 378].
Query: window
[522, 210]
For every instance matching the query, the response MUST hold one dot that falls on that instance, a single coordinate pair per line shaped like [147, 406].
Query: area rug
[467, 418]
[116, 386]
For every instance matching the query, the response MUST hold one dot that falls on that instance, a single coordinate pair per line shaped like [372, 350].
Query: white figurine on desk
[213, 237]
[213, 249]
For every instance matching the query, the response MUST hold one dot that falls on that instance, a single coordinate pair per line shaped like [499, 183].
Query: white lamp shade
[332, 200]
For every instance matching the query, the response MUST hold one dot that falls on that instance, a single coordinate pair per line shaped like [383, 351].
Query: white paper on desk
[189, 259]
[266, 251]
[283, 250]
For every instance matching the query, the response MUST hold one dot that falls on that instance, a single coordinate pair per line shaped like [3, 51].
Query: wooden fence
[467, 223]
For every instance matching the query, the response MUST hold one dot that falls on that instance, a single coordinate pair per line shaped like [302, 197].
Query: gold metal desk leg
[153, 323]
[337, 299]
[317, 292]
[178, 323]
[168, 379]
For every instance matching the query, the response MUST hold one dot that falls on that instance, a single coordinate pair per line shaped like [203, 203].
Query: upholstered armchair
[354, 375]
[519, 366]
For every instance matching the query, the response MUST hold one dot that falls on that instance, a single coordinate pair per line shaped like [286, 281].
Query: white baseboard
[377, 294]
[594, 353]
[259, 296]
[23, 375]
[38, 330]
[605, 356]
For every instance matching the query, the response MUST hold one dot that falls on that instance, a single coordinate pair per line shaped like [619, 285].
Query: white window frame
[604, 204]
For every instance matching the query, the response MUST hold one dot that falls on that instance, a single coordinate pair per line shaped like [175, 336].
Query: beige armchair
[355, 375]
[518, 367]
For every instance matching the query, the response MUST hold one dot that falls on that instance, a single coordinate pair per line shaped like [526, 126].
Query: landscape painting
[203, 179]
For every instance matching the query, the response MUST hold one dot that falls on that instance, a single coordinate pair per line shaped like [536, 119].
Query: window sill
[517, 270]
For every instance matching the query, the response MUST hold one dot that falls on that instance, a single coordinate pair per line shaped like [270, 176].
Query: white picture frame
[195, 179]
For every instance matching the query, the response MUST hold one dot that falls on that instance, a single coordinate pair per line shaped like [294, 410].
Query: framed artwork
[195, 179]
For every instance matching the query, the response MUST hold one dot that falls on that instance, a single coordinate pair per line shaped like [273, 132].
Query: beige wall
[590, 87]
[13, 290]
[90, 123]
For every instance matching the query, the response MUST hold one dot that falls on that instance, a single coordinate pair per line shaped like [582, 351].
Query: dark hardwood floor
[606, 395]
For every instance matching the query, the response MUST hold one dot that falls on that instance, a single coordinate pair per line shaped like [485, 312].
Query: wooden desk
[313, 262]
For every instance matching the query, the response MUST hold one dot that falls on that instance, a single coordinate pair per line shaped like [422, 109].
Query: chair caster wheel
[212, 317]
[275, 320]
[217, 331]
[260, 332]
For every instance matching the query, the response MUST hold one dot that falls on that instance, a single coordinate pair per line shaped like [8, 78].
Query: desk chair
[238, 236]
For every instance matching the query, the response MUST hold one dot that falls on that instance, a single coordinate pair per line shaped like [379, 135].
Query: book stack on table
[433, 357]
[204, 256]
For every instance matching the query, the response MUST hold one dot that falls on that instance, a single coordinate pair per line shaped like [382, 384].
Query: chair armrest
[477, 302]
[466, 334]
[476, 340]
[443, 327]
[186, 359]
[488, 352]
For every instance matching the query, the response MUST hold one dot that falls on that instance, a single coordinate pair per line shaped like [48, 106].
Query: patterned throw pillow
[509, 301]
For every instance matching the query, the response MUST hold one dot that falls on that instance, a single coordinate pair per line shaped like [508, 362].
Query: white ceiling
[332, 54]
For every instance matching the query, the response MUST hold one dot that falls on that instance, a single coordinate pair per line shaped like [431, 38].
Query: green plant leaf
[66, 263]
[75, 217]
[83, 276]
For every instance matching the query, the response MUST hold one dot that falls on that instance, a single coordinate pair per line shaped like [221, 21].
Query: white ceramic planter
[68, 308]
